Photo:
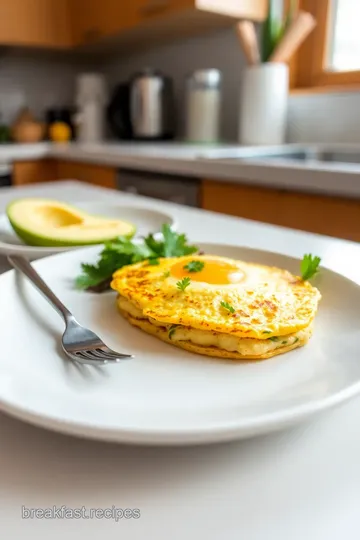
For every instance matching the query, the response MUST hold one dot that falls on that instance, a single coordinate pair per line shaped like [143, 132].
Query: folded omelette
[217, 306]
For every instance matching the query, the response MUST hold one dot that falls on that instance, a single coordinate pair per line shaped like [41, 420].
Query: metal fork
[79, 343]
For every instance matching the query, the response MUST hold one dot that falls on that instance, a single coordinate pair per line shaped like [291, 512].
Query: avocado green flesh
[52, 224]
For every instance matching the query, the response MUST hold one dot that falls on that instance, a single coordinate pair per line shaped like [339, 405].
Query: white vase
[264, 101]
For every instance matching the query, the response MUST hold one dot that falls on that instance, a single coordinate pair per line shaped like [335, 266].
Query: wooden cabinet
[36, 23]
[32, 172]
[333, 216]
[64, 23]
[87, 172]
[93, 20]
[48, 170]
[142, 21]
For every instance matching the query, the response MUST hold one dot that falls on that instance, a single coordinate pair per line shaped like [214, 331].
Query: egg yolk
[209, 271]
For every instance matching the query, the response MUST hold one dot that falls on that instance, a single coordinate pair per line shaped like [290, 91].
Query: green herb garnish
[173, 244]
[227, 306]
[183, 284]
[194, 266]
[122, 252]
[309, 266]
[266, 332]
[166, 274]
[172, 330]
[274, 338]
[283, 342]
[154, 261]
[296, 340]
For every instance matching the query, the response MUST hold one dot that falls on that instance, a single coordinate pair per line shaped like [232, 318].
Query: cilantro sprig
[309, 266]
[227, 306]
[172, 330]
[194, 266]
[183, 284]
[122, 252]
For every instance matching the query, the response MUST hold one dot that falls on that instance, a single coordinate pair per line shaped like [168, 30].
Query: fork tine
[124, 355]
[102, 355]
[113, 354]
[94, 355]
[85, 358]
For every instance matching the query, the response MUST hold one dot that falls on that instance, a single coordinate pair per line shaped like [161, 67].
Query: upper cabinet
[35, 23]
[93, 20]
[68, 23]
[139, 22]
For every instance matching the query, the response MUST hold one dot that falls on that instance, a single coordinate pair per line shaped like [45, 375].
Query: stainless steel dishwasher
[167, 187]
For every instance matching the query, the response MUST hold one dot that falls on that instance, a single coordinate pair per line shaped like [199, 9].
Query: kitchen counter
[203, 162]
[300, 483]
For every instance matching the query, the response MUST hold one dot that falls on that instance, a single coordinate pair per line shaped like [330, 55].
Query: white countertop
[191, 160]
[301, 483]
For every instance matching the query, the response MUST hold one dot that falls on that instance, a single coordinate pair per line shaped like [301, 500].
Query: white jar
[91, 98]
[203, 106]
[264, 102]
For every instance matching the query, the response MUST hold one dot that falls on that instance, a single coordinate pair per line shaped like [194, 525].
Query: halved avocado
[42, 222]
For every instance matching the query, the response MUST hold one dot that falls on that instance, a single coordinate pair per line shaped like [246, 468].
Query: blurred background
[247, 107]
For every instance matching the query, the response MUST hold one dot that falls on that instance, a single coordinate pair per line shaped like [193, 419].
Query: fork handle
[23, 265]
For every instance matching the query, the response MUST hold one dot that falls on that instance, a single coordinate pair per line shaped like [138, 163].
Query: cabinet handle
[153, 7]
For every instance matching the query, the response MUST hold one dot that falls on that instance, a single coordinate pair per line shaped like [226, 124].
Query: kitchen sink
[312, 155]
[306, 154]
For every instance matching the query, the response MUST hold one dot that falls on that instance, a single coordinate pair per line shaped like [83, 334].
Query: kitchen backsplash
[43, 80]
[325, 117]
[36, 79]
[328, 117]
[219, 50]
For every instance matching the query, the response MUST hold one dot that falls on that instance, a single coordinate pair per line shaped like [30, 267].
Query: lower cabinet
[332, 216]
[32, 172]
[47, 170]
[97, 175]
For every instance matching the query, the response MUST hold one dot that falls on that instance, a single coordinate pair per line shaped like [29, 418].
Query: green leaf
[172, 245]
[85, 282]
[194, 266]
[309, 266]
[183, 284]
[154, 262]
[172, 330]
[154, 246]
[290, 15]
[271, 32]
[227, 306]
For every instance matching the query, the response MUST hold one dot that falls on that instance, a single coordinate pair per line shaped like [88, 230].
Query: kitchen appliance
[91, 98]
[143, 108]
[5, 174]
[203, 106]
[167, 187]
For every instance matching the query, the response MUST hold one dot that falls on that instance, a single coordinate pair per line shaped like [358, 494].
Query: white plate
[146, 220]
[166, 395]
